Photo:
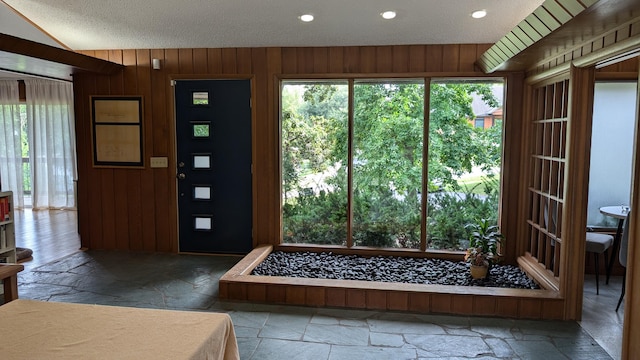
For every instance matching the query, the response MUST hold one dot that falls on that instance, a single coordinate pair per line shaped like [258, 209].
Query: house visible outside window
[377, 195]
[479, 123]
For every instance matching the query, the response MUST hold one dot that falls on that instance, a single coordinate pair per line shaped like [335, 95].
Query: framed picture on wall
[116, 127]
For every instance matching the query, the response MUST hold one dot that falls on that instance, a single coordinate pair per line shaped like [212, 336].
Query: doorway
[214, 175]
[610, 181]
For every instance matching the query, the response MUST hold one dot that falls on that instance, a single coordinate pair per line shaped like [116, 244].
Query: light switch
[159, 162]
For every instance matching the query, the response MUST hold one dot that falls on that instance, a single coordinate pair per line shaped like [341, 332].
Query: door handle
[181, 176]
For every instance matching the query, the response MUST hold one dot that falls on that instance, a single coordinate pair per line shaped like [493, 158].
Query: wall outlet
[159, 162]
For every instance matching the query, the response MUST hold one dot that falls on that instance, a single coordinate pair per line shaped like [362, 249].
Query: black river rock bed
[326, 265]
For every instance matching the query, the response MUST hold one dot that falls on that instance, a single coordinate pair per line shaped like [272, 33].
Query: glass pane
[387, 163]
[200, 98]
[202, 193]
[201, 130]
[201, 161]
[464, 160]
[202, 224]
[314, 162]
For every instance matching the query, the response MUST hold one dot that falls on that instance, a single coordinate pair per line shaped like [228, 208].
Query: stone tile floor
[190, 282]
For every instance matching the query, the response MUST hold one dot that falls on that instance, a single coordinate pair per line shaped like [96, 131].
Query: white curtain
[10, 141]
[52, 143]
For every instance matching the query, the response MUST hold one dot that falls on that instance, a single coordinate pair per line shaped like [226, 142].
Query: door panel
[213, 130]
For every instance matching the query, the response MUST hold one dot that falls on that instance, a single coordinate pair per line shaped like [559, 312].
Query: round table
[619, 212]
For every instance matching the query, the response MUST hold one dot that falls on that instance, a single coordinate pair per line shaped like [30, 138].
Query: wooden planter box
[238, 285]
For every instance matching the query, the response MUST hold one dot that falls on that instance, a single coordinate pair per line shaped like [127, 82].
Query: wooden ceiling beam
[23, 56]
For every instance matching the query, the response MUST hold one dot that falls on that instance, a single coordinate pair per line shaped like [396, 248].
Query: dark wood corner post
[581, 93]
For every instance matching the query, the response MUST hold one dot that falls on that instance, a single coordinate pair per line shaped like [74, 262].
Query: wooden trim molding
[631, 326]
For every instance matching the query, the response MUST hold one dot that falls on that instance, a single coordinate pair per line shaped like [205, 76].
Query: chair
[622, 256]
[598, 244]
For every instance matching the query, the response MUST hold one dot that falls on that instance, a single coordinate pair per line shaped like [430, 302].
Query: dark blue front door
[213, 130]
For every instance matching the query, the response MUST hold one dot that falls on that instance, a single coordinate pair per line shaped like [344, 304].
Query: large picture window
[358, 178]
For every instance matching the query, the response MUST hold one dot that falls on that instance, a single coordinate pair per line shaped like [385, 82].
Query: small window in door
[200, 129]
[200, 98]
[201, 161]
[201, 192]
[202, 222]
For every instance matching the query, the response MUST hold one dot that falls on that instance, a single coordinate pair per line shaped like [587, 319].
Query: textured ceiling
[126, 24]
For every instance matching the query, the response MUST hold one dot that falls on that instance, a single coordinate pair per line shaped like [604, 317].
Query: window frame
[351, 79]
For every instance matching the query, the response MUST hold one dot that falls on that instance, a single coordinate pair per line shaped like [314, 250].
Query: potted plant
[485, 242]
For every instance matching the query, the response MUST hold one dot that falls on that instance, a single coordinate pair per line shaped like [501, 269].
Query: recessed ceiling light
[306, 17]
[388, 14]
[479, 14]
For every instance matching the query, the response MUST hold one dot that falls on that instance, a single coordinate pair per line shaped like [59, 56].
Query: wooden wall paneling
[159, 118]
[143, 236]
[295, 295]
[420, 302]
[121, 186]
[484, 305]
[512, 162]
[134, 205]
[320, 60]
[508, 306]
[259, 154]
[103, 86]
[214, 61]
[417, 59]
[352, 59]
[289, 60]
[121, 213]
[467, 57]
[305, 60]
[336, 297]
[576, 194]
[400, 59]
[200, 61]
[276, 293]
[433, 58]
[367, 59]
[238, 291]
[462, 304]
[451, 58]
[257, 293]
[268, 146]
[376, 299]
[243, 59]
[441, 303]
[89, 235]
[552, 309]
[356, 298]
[229, 63]
[167, 220]
[106, 86]
[398, 301]
[315, 296]
[530, 308]
[336, 60]
[185, 61]
[384, 59]
[527, 136]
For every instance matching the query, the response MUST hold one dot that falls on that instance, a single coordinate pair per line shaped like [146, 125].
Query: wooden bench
[9, 277]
